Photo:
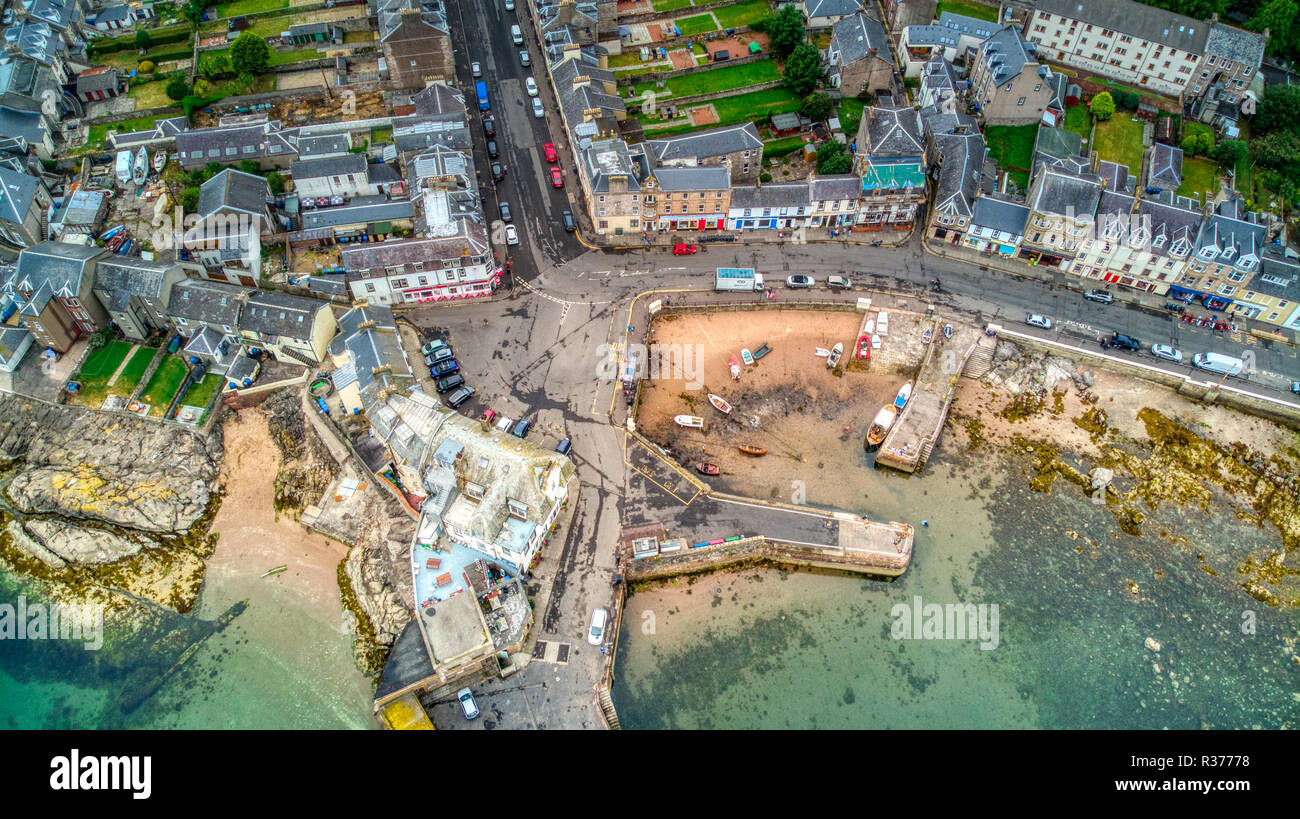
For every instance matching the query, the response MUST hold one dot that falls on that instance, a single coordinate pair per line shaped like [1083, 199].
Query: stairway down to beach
[607, 708]
[981, 358]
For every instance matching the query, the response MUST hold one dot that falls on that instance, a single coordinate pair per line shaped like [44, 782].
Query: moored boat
[947, 331]
[927, 336]
[904, 393]
[720, 404]
[735, 367]
[822, 352]
[747, 357]
[750, 449]
[864, 347]
[707, 469]
[879, 427]
[692, 421]
[836, 352]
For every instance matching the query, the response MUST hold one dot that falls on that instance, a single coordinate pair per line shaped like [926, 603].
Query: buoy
[925, 523]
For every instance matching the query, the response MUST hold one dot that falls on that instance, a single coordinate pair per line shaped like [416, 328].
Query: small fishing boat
[750, 449]
[927, 336]
[707, 469]
[875, 342]
[879, 427]
[904, 393]
[276, 570]
[159, 161]
[822, 352]
[735, 367]
[692, 421]
[747, 357]
[947, 331]
[720, 404]
[141, 167]
[864, 347]
[836, 353]
[109, 234]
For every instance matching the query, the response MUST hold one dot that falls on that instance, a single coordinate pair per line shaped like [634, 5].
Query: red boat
[864, 347]
[707, 469]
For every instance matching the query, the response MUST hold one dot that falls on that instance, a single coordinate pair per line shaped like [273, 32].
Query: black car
[492, 148]
[1102, 296]
[459, 397]
[567, 216]
[504, 207]
[489, 127]
[449, 382]
[1124, 342]
[498, 173]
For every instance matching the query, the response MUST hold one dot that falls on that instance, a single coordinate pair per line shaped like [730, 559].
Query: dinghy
[904, 393]
[747, 357]
[720, 404]
[822, 352]
[836, 352]
[692, 421]
[707, 469]
[750, 449]
[735, 367]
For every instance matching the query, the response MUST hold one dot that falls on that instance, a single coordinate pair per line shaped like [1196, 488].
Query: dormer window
[1229, 252]
[1247, 263]
[1181, 248]
[517, 509]
[1209, 253]
[474, 491]
[1159, 241]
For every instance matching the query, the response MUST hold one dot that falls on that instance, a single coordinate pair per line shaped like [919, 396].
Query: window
[474, 490]
[399, 283]
[370, 288]
[517, 509]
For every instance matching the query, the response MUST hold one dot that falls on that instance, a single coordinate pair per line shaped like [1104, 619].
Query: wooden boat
[140, 169]
[927, 336]
[692, 421]
[159, 161]
[836, 353]
[707, 469]
[747, 357]
[947, 331]
[904, 393]
[879, 427]
[735, 367]
[750, 449]
[720, 404]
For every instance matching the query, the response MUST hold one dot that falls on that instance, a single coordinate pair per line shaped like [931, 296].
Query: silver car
[1035, 320]
[538, 111]
[467, 704]
[1167, 353]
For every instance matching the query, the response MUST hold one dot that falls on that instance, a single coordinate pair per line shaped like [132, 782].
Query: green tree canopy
[1280, 151]
[250, 54]
[142, 39]
[190, 200]
[785, 30]
[1102, 106]
[1231, 151]
[177, 88]
[193, 11]
[1279, 110]
[250, 166]
[1198, 142]
[817, 107]
[275, 181]
[1278, 16]
[803, 69]
[832, 157]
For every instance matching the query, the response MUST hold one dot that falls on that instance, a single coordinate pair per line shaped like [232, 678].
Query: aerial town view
[649, 364]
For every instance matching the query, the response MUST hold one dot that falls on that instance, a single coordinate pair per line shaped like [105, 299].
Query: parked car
[492, 148]
[549, 150]
[459, 397]
[1101, 296]
[438, 356]
[799, 280]
[467, 704]
[448, 382]
[442, 368]
[489, 127]
[517, 35]
[684, 250]
[1295, 387]
[521, 428]
[498, 173]
[1035, 320]
[1124, 342]
[563, 447]
[839, 282]
[434, 346]
[504, 207]
[512, 235]
[569, 225]
[524, 59]
[557, 178]
[530, 85]
[538, 110]
[596, 634]
[476, 69]
[1167, 353]
[510, 5]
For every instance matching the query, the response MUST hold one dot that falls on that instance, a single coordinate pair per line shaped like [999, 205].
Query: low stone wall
[656, 76]
[756, 549]
[665, 16]
[696, 99]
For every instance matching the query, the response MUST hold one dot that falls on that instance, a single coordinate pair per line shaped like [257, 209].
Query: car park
[448, 382]
[467, 704]
[476, 69]
[437, 356]
[530, 85]
[569, 225]
[434, 346]
[460, 396]
[521, 428]
[799, 280]
[596, 633]
[1100, 296]
[492, 148]
[504, 207]
[1035, 320]
[489, 127]
[1124, 342]
[538, 110]
[557, 178]
[684, 250]
[1167, 353]
[512, 235]
[524, 59]
[549, 150]
[442, 368]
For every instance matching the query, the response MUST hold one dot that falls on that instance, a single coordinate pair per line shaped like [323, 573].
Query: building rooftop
[859, 36]
[1136, 19]
[280, 314]
[1000, 215]
[211, 302]
[706, 144]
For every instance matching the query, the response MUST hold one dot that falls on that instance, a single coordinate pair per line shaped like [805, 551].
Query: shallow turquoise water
[774, 649]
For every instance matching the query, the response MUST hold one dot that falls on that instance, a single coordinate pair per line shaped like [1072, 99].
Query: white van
[1219, 363]
[516, 35]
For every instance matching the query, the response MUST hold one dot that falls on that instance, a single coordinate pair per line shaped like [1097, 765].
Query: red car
[557, 178]
[550, 152]
[684, 250]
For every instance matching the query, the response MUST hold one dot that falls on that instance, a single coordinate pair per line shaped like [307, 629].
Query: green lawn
[724, 79]
[249, 7]
[1119, 139]
[201, 393]
[780, 147]
[102, 363]
[1079, 120]
[1012, 146]
[98, 368]
[150, 94]
[698, 24]
[630, 57]
[977, 10]
[134, 369]
[353, 37]
[671, 5]
[1200, 176]
[277, 57]
[850, 115]
[166, 380]
[126, 126]
[741, 14]
[755, 105]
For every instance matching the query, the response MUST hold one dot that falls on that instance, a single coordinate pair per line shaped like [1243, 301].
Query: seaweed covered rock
[306, 467]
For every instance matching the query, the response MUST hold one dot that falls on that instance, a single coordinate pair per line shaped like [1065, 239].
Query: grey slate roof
[311, 147]
[29, 125]
[328, 166]
[206, 342]
[959, 174]
[439, 100]
[280, 314]
[230, 144]
[855, 36]
[97, 80]
[706, 144]
[893, 132]
[835, 186]
[365, 209]
[57, 265]
[36, 40]
[1229, 229]
[1007, 49]
[212, 302]
[1059, 148]
[1166, 166]
[1237, 45]
[693, 179]
[11, 338]
[112, 14]
[612, 157]
[17, 190]
[936, 121]
[773, 195]
[831, 8]
[970, 26]
[1060, 192]
[233, 190]
[931, 35]
[1173, 218]
[376, 362]
[1136, 19]
[1115, 176]
[131, 276]
[1279, 274]
[1000, 215]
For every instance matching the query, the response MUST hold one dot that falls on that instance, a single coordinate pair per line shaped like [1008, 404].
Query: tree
[146, 67]
[211, 66]
[194, 11]
[1280, 151]
[1197, 142]
[765, 177]
[1231, 151]
[1102, 106]
[177, 88]
[1278, 16]
[784, 29]
[1127, 100]
[250, 54]
[817, 107]
[275, 181]
[190, 200]
[211, 169]
[250, 166]
[803, 69]
[833, 158]
[1279, 110]
[142, 39]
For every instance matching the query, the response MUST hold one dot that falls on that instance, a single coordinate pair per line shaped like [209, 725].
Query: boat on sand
[879, 427]
[692, 421]
[904, 393]
[707, 469]
[750, 449]
[720, 404]
[747, 357]
[836, 352]
[735, 367]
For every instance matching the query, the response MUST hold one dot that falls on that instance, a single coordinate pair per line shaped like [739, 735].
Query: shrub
[765, 177]
[177, 88]
[1102, 106]
[146, 67]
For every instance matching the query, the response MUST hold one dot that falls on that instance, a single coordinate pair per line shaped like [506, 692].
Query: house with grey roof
[1140, 243]
[1274, 295]
[860, 57]
[959, 158]
[1063, 207]
[833, 200]
[1164, 166]
[891, 162]
[1226, 255]
[432, 268]
[826, 13]
[939, 86]
[14, 344]
[1231, 62]
[373, 216]
[206, 314]
[774, 206]
[736, 147]
[439, 101]
[415, 37]
[922, 44]
[996, 225]
[98, 84]
[135, 292]
[614, 176]
[161, 136]
[265, 142]
[1058, 148]
[53, 282]
[687, 198]
[1008, 85]
[323, 146]
[226, 239]
[370, 362]
[589, 100]
[295, 329]
[23, 200]
[344, 175]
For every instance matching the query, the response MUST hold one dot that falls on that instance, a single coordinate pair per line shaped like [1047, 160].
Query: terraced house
[1007, 83]
[687, 199]
[1274, 295]
[890, 160]
[737, 148]
[860, 58]
[416, 42]
[1062, 209]
[1140, 243]
[295, 329]
[53, 286]
[1226, 257]
[614, 176]
[135, 292]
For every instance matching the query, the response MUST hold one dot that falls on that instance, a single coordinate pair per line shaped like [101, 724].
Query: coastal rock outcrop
[88, 547]
[306, 467]
[1016, 370]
